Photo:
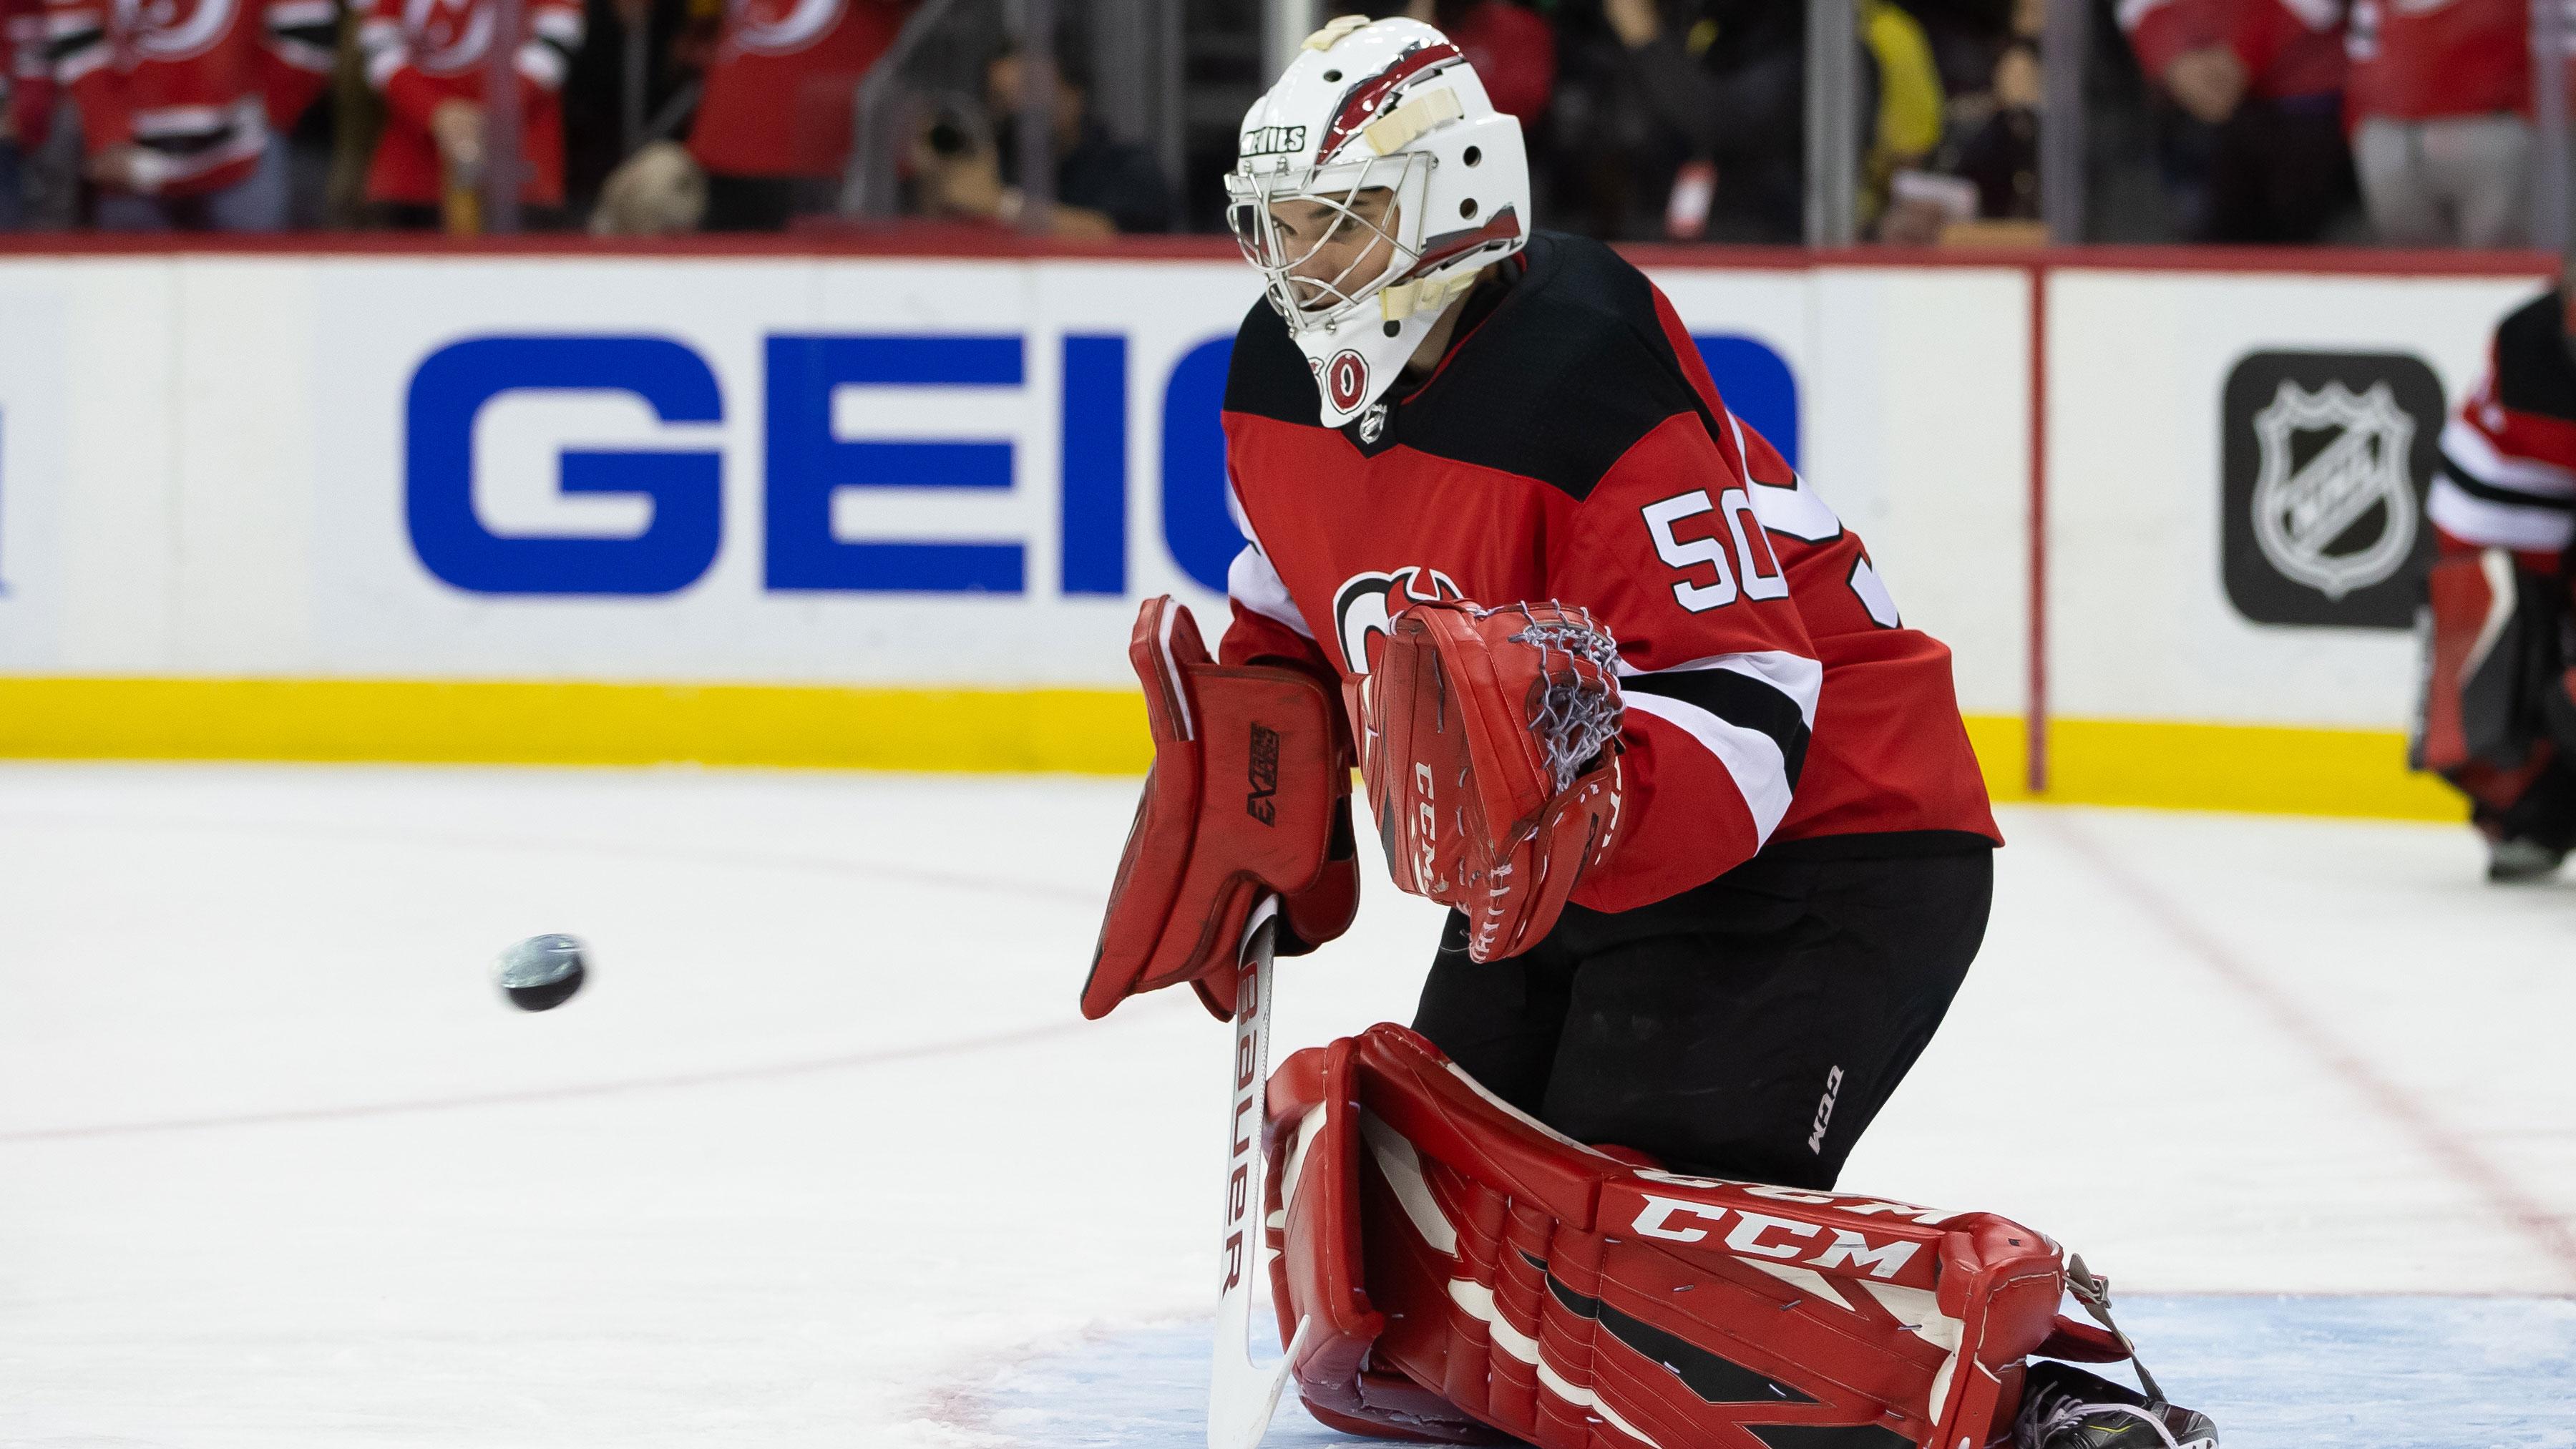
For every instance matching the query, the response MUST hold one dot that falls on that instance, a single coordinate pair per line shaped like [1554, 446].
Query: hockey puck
[541, 972]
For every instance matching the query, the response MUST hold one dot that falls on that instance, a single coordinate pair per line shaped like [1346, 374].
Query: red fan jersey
[781, 94]
[2289, 47]
[191, 83]
[1572, 447]
[26, 82]
[1512, 51]
[422, 52]
[2508, 474]
[2414, 60]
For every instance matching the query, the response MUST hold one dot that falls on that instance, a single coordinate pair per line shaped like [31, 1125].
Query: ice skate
[2063, 1407]
[2517, 859]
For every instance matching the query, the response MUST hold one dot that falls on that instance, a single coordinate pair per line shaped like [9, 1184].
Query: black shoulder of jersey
[2534, 371]
[1267, 376]
[1561, 380]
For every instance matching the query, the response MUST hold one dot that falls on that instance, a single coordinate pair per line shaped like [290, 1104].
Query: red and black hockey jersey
[422, 52]
[2508, 474]
[781, 94]
[195, 85]
[2413, 60]
[1572, 447]
[2288, 47]
[26, 82]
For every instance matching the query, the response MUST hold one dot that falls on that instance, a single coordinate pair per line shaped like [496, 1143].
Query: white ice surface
[823, 1152]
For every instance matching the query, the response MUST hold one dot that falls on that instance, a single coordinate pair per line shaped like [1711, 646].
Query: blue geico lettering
[686, 488]
[808, 463]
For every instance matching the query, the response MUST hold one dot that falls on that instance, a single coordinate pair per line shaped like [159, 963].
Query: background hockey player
[2499, 710]
[1630, 699]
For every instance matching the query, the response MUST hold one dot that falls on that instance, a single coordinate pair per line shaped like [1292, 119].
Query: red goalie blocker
[1468, 1271]
[1248, 796]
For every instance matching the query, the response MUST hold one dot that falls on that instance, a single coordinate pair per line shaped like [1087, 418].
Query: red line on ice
[714, 1077]
[2504, 1197]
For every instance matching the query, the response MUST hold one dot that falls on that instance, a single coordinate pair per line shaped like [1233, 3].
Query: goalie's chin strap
[2095, 1295]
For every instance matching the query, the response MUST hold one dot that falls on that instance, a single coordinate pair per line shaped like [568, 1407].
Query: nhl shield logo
[2326, 460]
[2310, 517]
[1373, 423]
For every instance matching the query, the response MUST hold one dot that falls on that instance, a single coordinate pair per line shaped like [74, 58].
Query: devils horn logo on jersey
[782, 27]
[177, 29]
[1346, 381]
[1366, 603]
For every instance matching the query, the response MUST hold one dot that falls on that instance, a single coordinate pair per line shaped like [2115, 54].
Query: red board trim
[932, 241]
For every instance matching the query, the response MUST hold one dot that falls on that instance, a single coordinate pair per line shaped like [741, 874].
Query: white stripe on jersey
[542, 63]
[2489, 524]
[1253, 581]
[1794, 675]
[1751, 759]
[2476, 455]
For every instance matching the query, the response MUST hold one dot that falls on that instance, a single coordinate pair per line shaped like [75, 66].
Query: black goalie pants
[1748, 1029]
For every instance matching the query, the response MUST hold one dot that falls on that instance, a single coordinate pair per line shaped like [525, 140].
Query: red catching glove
[1489, 743]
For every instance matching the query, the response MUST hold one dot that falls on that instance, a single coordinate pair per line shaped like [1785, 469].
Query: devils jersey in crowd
[2414, 60]
[2508, 476]
[422, 52]
[1572, 447]
[2288, 47]
[780, 93]
[195, 85]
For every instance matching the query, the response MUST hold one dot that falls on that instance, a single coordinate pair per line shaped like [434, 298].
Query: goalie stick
[1242, 1395]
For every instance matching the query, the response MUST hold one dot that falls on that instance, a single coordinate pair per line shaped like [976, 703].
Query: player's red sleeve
[76, 40]
[2507, 480]
[300, 40]
[554, 37]
[1718, 674]
[30, 82]
[1265, 622]
[2159, 30]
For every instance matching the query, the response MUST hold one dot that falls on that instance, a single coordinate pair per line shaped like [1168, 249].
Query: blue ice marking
[2275, 1372]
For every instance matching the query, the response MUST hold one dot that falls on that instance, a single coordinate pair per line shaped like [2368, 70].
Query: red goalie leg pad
[2479, 706]
[1249, 777]
[1457, 1264]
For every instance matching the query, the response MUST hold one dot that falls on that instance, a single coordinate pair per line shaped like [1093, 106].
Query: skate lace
[2070, 1412]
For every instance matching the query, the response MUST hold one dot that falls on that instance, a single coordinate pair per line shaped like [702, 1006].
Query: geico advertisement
[723, 469]
[918, 471]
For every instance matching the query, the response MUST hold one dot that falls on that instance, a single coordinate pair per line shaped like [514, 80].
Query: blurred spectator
[1724, 82]
[2440, 94]
[429, 58]
[660, 191]
[26, 101]
[177, 104]
[1103, 185]
[780, 102]
[1513, 50]
[1910, 102]
[2261, 156]
[2001, 157]
[1727, 81]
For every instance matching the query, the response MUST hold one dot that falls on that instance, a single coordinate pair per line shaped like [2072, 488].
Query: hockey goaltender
[1630, 699]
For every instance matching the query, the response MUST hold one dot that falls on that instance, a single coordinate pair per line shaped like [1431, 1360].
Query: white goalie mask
[1385, 128]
